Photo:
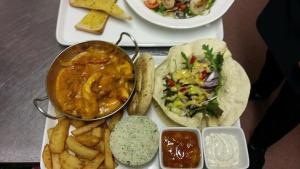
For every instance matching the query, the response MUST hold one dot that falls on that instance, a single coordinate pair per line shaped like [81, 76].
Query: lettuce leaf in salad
[216, 61]
[160, 9]
[211, 109]
[210, 4]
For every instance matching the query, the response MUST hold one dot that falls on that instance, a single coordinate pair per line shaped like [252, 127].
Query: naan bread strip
[142, 97]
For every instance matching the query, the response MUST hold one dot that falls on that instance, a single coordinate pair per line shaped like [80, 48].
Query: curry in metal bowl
[90, 80]
[94, 83]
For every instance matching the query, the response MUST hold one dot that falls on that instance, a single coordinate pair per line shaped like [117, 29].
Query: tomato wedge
[203, 75]
[181, 6]
[183, 89]
[170, 83]
[151, 4]
[193, 59]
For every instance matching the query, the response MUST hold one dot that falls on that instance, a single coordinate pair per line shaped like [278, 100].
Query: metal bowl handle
[41, 110]
[137, 49]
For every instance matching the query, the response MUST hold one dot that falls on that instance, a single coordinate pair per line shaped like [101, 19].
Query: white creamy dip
[222, 150]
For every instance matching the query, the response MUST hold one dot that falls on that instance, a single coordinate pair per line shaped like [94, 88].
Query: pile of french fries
[87, 147]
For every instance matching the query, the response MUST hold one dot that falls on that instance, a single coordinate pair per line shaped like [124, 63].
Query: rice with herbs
[134, 141]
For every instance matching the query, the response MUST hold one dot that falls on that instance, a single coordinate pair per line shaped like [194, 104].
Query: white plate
[217, 10]
[154, 114]
[146, 34]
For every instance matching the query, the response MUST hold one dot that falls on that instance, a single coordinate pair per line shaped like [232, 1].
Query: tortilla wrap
[232, 95]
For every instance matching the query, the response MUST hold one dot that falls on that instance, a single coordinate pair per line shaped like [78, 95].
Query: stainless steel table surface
[27, 48]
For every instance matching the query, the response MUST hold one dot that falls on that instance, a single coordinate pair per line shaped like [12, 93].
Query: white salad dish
[217, 10]
[221, 143]
[189, 129]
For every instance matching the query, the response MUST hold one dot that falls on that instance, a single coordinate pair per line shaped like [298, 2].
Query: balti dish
[94, 83]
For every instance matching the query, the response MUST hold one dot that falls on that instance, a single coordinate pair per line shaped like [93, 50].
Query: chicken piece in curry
[94, 83]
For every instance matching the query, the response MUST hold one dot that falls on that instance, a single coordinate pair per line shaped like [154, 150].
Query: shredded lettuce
[191, 98]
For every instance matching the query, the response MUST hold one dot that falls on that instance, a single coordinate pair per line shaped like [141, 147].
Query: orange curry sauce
[94, 83]
[180, 149]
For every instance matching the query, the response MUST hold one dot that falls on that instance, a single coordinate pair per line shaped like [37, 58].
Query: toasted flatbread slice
[104, 5]
[93, 22]
[107, 6]
[119, 13]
